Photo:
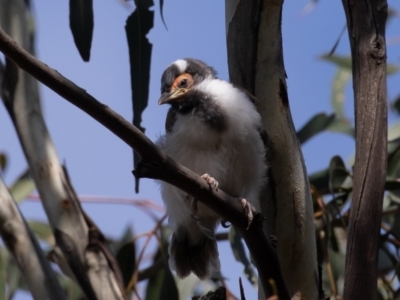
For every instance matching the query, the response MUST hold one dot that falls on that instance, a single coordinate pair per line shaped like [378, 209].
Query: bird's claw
[211, 181]
[249, 210]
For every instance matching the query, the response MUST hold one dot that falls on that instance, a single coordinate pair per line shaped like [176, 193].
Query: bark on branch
[155, 164]
[255, 57]
[22, 244]
[366, 21]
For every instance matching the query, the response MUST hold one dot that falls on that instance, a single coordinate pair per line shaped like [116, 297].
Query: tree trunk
[366, 21]
[255, 60]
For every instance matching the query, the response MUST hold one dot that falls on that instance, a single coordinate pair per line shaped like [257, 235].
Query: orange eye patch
[183, 81]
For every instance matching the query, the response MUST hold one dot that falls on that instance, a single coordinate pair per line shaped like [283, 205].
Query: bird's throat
[203, 107]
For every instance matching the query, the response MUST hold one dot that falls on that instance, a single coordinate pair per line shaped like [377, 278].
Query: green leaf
[115, 245]
[315, 125]
[392, 185]
[394, 164]
[72, 289]
[137, 27]
[240, 255]
[126, 258]
[162, 13]
[340, 81]
[43, 231]
[3, 162]
[342, 126]
[338, 60]
[343, 61]
[22, 187]
[81, 24]
[320, 180]
[162, 285]
[337, 174]
[396, 104]
[3, 276]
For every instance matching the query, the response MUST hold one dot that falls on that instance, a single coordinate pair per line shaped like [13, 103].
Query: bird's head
[181, 78]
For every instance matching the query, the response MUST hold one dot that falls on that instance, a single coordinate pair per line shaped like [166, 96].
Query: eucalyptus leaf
[162, 285]
[342, 126]
[81, 22]
[337, 174]
[320, 181]
[315, 125]
[162, 13]
[239, 252]
[3, 277]
[137, 27]
[126, 258]
[340, 81]
[394, 164]
[22, 187]
[3, 162]
[343, 61]
[43, 231]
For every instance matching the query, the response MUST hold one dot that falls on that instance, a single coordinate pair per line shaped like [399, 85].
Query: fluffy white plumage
[235, 157]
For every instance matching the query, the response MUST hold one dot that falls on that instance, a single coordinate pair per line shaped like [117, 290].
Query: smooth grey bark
[255, 58]
[75, 234]
[366, 22]
[22, 244]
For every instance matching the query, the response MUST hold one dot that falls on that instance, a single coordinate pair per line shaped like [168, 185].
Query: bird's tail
[199, 256]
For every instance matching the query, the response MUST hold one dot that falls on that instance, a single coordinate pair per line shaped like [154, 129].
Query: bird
[214, 129]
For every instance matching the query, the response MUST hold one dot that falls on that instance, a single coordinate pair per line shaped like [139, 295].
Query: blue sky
[100, 164]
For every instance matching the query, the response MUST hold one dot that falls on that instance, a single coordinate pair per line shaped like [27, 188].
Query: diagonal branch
[155, 164]
[22, 244]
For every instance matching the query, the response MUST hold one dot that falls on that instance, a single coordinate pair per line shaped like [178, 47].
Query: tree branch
[366, 21]
[155, 164]
[81, 243]
[22, 244]
[255, 57]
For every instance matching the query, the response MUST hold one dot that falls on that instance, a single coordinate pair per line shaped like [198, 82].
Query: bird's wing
[170, 121]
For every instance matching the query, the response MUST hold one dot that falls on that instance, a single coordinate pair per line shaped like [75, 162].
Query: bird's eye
[183, 83]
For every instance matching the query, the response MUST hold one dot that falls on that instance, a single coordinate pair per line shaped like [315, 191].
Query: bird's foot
[194, 210]
[211, 181]
[249, 210]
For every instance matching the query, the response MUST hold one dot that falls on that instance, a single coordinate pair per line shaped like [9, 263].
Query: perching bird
[213, 128]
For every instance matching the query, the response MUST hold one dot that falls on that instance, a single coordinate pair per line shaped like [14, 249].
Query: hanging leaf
[81, 24]
[162, 13]
[126, 260]
[315, 125]
[3, 162]
[22, 187]
[392, 185]
[162, 285]
[395, 105]
[320, 181]
[394, 164]
[337, 174]
[3, 277]
[137, 27]
[240, 255]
